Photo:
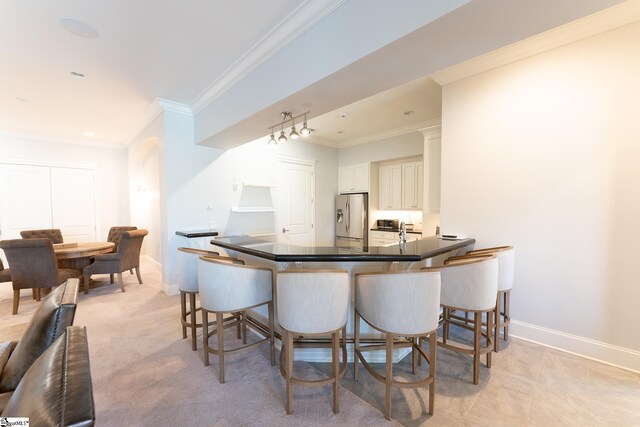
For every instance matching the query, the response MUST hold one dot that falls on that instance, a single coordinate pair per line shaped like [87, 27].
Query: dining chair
[33, 265]
[5, 273]
[53, 234]
[116, 232]
[127, 257]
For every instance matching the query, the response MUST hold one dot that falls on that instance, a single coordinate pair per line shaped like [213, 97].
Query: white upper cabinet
[412, 185]
[390, 187]
[353, 178]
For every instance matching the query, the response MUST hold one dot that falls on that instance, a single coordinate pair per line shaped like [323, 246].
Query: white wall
[543, 154]
[410, 144]
[199, 177]
[111, 172]
[144, 186]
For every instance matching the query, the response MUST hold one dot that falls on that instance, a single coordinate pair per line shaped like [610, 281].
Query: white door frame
[304, 162]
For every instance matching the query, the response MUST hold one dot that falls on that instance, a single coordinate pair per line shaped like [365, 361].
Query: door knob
[284, 230]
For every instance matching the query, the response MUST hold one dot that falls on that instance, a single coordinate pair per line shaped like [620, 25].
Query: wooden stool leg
[507, 295]
[111, 279]
[356, 344]
[432, 369]
[205, 335]
[220, 336]
[445, 330]
[183, 313]
[244, 327]
[414, 360]
[288, 369]
[238, 316]
[192, 304]
[389, 376]
[476, 345]
[419, 345]
[336, 370]
[496, 345]
[489, 334]
[272, 340]
[16, 300]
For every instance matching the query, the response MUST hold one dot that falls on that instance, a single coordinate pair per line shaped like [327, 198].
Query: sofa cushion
[57, 389]
[55, 313]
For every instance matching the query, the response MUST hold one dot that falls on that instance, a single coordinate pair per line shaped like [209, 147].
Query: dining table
[77, 256]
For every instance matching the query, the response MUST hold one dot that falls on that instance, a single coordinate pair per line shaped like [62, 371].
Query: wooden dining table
[77, 256]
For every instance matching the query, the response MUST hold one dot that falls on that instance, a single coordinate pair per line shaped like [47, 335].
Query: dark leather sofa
[57, 389]
[49, 322]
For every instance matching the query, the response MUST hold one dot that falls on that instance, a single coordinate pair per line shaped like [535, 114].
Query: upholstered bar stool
[506, 269]
[187, 276]
[228, 288]
[311, 303]
[401, 305]
[469, 285]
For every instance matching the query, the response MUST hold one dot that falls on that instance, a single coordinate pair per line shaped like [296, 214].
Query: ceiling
[145, 50]
[185, 52]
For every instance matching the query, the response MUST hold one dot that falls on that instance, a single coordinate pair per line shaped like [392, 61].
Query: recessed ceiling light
[339, 131]
[89, 134]
[78, 28]
[22, 99]
[77, 75]
[343, 115]
[408, 113]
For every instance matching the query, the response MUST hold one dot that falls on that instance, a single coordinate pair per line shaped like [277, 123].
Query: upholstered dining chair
[115, 233]
[53, 234]
[127, 257]
[33, 266]
[5, 273]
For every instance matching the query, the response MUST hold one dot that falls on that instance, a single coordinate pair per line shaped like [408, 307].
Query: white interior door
[296, 193]
[27, 200]
[73, 203]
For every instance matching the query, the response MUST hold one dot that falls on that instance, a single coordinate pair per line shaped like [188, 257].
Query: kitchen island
[282, 256]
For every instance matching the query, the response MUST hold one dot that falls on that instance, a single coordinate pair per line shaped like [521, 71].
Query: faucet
[403, 232]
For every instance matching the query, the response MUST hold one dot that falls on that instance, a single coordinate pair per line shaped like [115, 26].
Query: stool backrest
[400, 303]
[226, 286]
[470, 284]
[187, 267]
[506, 264]
[312, 301]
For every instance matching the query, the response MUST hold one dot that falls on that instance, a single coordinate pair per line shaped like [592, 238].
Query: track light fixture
[286, 118]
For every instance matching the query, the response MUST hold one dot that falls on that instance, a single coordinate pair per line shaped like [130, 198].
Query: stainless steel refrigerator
[352, 219]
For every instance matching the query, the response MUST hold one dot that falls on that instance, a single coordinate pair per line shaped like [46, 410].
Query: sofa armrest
[5, 351]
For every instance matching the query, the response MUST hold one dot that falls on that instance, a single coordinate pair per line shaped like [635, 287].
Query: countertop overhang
[416, 250]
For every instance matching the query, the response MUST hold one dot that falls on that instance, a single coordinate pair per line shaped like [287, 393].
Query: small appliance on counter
[387, 224]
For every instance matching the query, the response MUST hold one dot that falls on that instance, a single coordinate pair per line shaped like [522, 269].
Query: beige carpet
[145, 374]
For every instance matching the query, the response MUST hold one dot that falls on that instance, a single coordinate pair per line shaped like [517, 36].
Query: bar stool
[506, 270]
[469, 285]
[187, 277]
[311, 303]
[399, 305]
[228, 287]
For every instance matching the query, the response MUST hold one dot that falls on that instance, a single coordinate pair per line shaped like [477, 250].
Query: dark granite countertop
[281, 252]
[396, 230]
[197, 233]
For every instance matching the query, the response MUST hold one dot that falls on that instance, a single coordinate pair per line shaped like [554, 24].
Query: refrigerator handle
[348, 216]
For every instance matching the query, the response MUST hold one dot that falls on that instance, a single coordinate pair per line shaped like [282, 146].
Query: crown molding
[432, 132]
[390, 133]
[63, 140]
[290, 28]
[600, 22]
[157, 107]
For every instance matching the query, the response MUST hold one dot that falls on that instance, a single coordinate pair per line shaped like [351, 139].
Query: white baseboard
[606, 353]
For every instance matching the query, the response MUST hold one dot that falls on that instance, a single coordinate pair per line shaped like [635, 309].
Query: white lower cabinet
[383, 238]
